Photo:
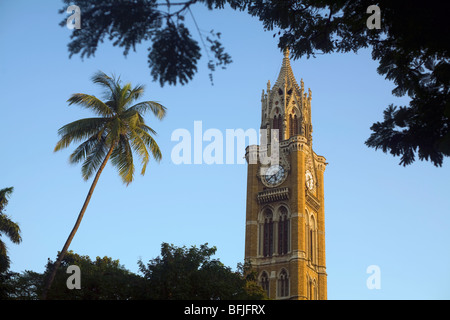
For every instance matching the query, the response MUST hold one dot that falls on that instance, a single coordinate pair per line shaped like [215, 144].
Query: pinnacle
[286, 53]
[286, 76]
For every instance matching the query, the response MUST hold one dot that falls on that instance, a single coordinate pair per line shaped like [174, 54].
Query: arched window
[264, 282]
[283, 231]
[291, 126]
[312, 290]
[268, 233]
[309, 289]
[316, 291]
[296, 131]
[312, 240]
[277, 123]
[283, 284]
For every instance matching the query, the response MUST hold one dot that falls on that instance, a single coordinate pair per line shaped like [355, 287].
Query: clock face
[309, 180]
[275, 174]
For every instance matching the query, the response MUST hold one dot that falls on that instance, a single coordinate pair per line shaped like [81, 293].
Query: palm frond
[4, 259]
[10, 229]
[122, 158]
[104, 80]
[132, 118]
[133, 94]
[140, 148]
[136, 92]
[116, 96]
[121, 98]
[5, 193]
[115, 128]
[147, 129]
[84, 149]
[94, 158]
[92, 103]
[158, 110]
[150, 143]
[79, 130]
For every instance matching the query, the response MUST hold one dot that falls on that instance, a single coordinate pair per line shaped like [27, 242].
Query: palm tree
[117, 133]
[7, 227]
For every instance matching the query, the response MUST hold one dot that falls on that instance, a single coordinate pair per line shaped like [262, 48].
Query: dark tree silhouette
[174, 53]
[8, 228]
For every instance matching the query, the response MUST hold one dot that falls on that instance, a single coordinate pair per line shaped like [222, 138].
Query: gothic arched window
[277, 124]
[283, 284]
[264, 282]
[296, 131]
[268, 233]
[291, 126]
[312, 240]
[280, 128]
[283, 231]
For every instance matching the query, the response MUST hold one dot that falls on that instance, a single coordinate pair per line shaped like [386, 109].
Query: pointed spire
[286, 53]
[286, 76]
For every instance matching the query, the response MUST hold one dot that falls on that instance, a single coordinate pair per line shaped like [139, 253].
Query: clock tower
[285, 217]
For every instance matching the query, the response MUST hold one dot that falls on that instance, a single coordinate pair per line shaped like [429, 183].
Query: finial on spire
[286, 52]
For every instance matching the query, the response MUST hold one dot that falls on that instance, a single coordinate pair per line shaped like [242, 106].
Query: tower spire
[286, 53]
[286, 77]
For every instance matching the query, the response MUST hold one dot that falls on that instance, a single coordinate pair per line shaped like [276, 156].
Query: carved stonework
[312, 201]
[272, 195]
[297, 143]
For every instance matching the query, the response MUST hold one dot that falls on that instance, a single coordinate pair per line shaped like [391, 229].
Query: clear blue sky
[377, 212]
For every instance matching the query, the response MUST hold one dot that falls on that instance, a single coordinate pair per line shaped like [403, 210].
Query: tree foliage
[179, 273]
[101, 279]
[20, 286]
[120, 126]
[182, 273]
[8, 228]
[174, 53]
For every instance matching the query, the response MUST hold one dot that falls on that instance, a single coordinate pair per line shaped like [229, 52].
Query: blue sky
[377, 212]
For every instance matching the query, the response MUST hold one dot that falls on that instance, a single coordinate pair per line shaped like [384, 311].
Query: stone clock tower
[285, 219]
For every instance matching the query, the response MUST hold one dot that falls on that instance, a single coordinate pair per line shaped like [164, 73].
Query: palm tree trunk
[75, 228]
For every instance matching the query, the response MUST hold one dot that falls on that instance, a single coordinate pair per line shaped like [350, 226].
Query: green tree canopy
[189, 273]
[21, 286]
[179, 273]
[101, 279]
